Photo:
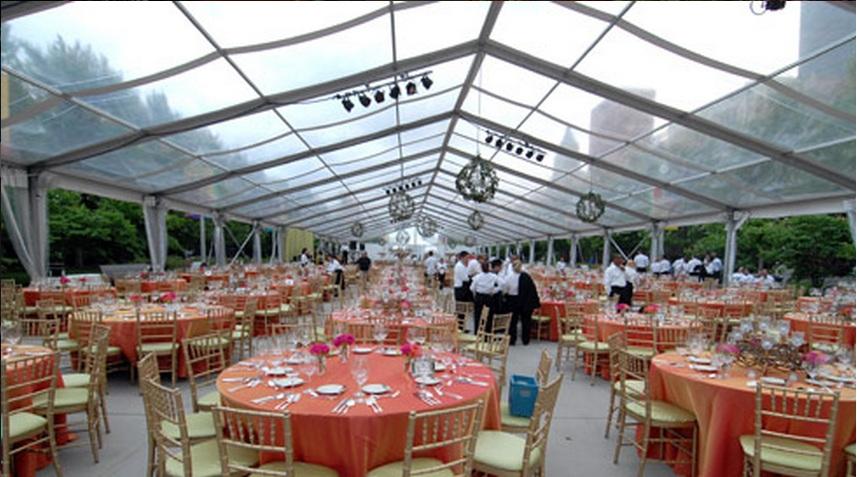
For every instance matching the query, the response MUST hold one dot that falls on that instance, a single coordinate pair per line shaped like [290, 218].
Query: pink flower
[727, 348]
[816, 358]
[406, 289]
[650, 308]
[82, 280]
[319, 349]
[135, 298]
[168, 297]
[343, 340]
[621, 307]
[406, 304]
[411, 350]
[64, 280]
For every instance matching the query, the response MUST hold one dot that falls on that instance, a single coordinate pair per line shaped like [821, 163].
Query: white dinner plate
[277, 371]
[836, 378]
[439, 366]
[362, 350]
[773, 380]
[330, 389]
[392, 352]
[703, 367]
[427, 380]
[698, 360]
[287, 382]
[376, 389]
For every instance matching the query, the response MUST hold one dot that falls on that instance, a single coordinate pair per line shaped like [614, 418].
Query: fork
[250, 384]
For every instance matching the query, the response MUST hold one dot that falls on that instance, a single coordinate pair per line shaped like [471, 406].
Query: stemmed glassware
[12, 332]
[379, 333]
[360, 374]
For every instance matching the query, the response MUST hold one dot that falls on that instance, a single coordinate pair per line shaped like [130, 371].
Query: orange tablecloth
[302, 288]
[150, 286]
[27, 462]
[360, 440]
[739, 309]
[557, 309]
[800, 322]
[398, 325]
[123, 331]
[725, 410]
[32, 295]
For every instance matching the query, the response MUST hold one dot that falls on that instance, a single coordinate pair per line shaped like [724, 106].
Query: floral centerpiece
[410, 351]
[64, 281]
[168, 298]
[766, 345]
[136, 300]
[320, 351]
[622, 307]
[343, 341]
[813, 360]
[651, 308]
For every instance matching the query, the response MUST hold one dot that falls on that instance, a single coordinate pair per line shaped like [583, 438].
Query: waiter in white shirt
[461, 280]
[715, 267]
[484, 287]
[431, 265]
[680, 267]
[641, 261]
[304, 258]
[616, 282]
[694, 267]
[335, 269]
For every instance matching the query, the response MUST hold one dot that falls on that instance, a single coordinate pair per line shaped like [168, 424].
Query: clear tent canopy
[232, 110]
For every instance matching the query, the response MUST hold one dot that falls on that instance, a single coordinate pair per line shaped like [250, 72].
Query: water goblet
[12, 332]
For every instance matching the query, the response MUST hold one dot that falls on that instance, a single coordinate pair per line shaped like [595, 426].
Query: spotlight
[540, 157]
[498, 144]
[519, 150]
[489, 139]
[387, 191]
[347, 104]
[395, 91]
[509, 146]
[420, 182]
[411, 88]
[426, 81]
[530, 154]
[364, 100]
[379, 96]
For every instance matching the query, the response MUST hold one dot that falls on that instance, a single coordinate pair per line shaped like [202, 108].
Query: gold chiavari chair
[83, 378]
[616, 343]
[570, 333]
[590, 347]
[221, 321]
[825, 332]
[442, 333]
[157, 332]
[501, 323]
[205, 359]
[175, 452]
[493, 351]
[271, 313]
[24, 428]
[779, 447]
[641, 336]
[712, 324]
[517, 424]
[242, 434]
[86, 399]
[506, 455]
[849, 460]
[242, 336]
[638, 406]
[431, 430]
[462, 311]
[302, 332]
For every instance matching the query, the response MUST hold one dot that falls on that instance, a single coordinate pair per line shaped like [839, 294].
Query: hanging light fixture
[476, 220]
[470, 241]
[395, 91]
[401, 206]
[347, 104]
[426, 81]
[426, 226]
[477, 181]
[357, 229]
[402, 237]
[364, 100]
[379, 96]
[411, 88]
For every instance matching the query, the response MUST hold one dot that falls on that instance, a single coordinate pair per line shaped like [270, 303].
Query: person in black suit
[524, 298]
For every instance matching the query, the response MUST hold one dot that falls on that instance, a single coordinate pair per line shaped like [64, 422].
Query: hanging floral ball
[470, 241]
[426, 226]
[476, 220]
[402, 238]
[590, 207]
[477, 181]
[357, 229]
[401, 206]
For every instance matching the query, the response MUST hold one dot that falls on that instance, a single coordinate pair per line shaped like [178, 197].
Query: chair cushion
[593, 346]
[205, 460]
[67, 345]
[209, 399]
[111, 350]
[825, 347]
[641, 352]
[268, 312]
[65, 397]
[466, 338]
[541, 318]
[502, 450]
[199, 426]
[285, 308]
[632, 385]
[158, 347]
[302, 469]
[849, 449]
[572, 337]
[25, 424]
[394, 469]
[63, 335]
[75, 380]
[784, 455]
[238, 314]
[239, 334]
[662, 412]
[508, 420]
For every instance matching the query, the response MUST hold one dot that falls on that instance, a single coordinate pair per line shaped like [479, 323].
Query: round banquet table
[32, 295]
[733, 310]
[725, 410]
[192, 321]
[398, 324]
[153, 286]
[800, 322]
[360, 440]
[805, 303]
[556, 310]
[28, 462]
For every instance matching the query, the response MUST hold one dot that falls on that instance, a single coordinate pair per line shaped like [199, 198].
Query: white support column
[257, 243]
[281, 238]
[518, 249]
[550, 261]
[219, 241]
[202, 250]
[38, 197]
[653, 248]
[661, 233]
[155, 221]
[733, 223]
[532, 251]
[572, 253]
[605, 253]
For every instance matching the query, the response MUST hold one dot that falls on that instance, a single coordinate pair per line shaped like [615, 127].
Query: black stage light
[379, 96]
[347, 104]
[426, 81]
[420, 182]
[509, 146]
[364, 100]
[395, 91]
[540, 157]
[519, 150]
[411, 88]
[489, 139]
[498, 144]
[530, 154]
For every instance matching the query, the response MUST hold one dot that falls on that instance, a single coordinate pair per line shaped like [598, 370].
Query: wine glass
[12, 332]
[360, 375]
[380, 334]
[418, 335]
